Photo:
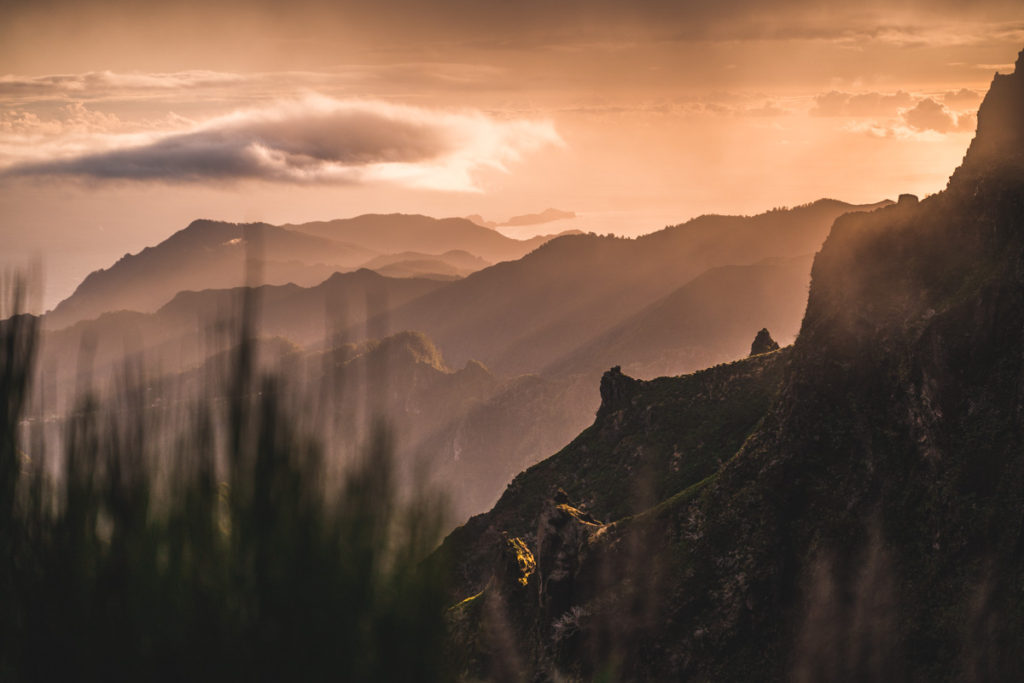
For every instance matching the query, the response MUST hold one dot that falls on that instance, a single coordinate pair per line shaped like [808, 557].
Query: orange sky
[122, 121]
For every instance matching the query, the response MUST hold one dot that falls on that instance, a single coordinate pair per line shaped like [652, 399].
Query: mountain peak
[999, 140]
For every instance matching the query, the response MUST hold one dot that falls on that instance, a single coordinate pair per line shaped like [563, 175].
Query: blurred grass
[201, 557]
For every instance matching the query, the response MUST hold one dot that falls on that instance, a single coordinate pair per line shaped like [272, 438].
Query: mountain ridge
[518, 316]
[205, 254]
[209, 254]
[415, 232]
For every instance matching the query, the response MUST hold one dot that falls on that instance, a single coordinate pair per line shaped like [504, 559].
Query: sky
[120, 122]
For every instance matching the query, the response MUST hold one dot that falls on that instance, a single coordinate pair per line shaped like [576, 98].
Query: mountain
[705, 322]
[521, 316]
[471, 452]
[193, 325]
[392, 233]
[650, 440]
[709, 321]
[865, 526]
[213, 255]
[449, 265]
[650, 313]
[205, 255]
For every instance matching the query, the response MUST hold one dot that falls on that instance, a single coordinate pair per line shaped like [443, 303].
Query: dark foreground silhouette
[213, 548]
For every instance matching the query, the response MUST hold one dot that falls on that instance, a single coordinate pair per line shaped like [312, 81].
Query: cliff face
[999, 142]
[650, 441]
[886, 483]
[872, 526]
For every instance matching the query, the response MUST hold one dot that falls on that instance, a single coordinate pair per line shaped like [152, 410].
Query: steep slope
[708, 321]
[204, 255]
[391, 233]
[521, 316]
[705, 322]
[474, 454]
[650, 439]
[871, 527]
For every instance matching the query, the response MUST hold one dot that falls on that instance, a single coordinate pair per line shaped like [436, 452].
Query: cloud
[948, 31]
[967, 122]
[314, 140]
[73, 117]
[926, 120]
[768, 109]
[930, 115]
[837, 103]
[36, 35]
[964, 97]
[104, 83]
[203, 84]
[898, 114]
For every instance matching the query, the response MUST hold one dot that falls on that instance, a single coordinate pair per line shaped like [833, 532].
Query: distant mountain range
[214, 255]
[393, 233]
[205, 255]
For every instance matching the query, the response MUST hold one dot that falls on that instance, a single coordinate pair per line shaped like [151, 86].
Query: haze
[120, 122]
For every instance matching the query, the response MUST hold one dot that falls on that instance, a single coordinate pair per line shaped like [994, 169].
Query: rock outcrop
[617, 390]
[763, 343]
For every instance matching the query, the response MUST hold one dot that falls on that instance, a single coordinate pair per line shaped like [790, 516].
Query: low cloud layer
[315, 140]
[900, 114]
[929, 115]
[837, 103]
[104, 83]
[964, 97]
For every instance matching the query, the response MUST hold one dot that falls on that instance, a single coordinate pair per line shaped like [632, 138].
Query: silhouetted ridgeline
[212, 543]
[212, 254]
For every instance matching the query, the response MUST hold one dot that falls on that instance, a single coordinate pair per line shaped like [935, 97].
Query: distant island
[545, 216]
